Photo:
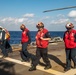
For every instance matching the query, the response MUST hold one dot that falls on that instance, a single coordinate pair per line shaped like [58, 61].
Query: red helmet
[69, 25]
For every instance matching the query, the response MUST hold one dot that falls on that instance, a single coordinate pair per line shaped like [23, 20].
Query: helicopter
[69, 7]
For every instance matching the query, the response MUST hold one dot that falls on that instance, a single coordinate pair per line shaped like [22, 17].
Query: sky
[13, 13]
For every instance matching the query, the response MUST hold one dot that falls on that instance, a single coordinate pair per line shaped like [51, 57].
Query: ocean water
[16, 35]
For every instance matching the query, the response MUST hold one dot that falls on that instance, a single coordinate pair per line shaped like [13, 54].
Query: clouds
[72, 14]
[31, 19]
[11, 20]
[60, 21]
[24, 18]
[28, 15]
[13, 23]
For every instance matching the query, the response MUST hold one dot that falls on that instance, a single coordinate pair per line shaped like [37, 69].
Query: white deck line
[51, 71]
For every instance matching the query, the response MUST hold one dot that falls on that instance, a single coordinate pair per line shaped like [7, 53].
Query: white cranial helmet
[69, 25]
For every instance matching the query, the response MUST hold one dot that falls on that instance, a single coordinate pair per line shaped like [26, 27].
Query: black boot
[32, 68]
[4, 56]
[47, 67]
[66, 69]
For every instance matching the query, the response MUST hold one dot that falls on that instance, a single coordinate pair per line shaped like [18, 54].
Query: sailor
[70, 45]
[42, 41]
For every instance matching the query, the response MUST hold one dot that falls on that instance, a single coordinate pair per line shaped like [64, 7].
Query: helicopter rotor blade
[60, 9]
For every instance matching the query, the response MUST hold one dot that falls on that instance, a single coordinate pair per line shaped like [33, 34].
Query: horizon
[36, 31]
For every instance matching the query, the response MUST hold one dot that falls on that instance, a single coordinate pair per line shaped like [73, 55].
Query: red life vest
[24, 36]
[41, 43]
[69, 39]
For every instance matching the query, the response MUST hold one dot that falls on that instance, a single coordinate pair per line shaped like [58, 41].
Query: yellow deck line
[51, 71]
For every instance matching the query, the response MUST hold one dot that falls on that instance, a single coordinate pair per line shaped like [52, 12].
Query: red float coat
[39, 42]
[69, 39]
[25, 37]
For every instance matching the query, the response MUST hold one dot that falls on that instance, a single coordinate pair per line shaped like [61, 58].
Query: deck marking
[38, 67]
[71, 72]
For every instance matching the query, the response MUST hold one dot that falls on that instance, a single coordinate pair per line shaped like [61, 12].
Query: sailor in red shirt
[25, 40]
[42, 40]
[70, 45]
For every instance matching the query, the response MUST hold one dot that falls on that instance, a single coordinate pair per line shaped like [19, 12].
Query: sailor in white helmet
[2, 38]
[70, 45]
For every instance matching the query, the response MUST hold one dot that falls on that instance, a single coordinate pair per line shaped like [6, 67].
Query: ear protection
[40, 25]
[69, 25]
[22, 27]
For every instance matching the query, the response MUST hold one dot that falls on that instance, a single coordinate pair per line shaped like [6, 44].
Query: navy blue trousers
[41, 52]
[70, 54]
[25, 55]
[7, 46]
[4, 51]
